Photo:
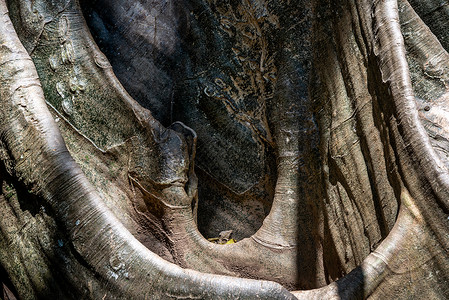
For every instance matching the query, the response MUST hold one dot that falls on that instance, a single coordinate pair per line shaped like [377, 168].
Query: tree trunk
[316, 131]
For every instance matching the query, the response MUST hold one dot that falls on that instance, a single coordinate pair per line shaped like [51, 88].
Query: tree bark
[315, 130]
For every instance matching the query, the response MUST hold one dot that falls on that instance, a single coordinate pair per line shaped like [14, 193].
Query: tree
[325, 120]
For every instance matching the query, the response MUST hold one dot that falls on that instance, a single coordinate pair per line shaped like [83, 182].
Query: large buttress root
[415, 251]
[36, 154]
[161, 214]
[381, 112]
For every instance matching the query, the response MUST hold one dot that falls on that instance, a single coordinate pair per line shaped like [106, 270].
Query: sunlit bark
[347, 101]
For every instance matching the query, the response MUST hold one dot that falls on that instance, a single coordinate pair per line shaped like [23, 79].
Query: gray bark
[315, 130]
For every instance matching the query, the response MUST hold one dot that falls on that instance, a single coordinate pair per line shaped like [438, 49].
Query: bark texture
[316, 130]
